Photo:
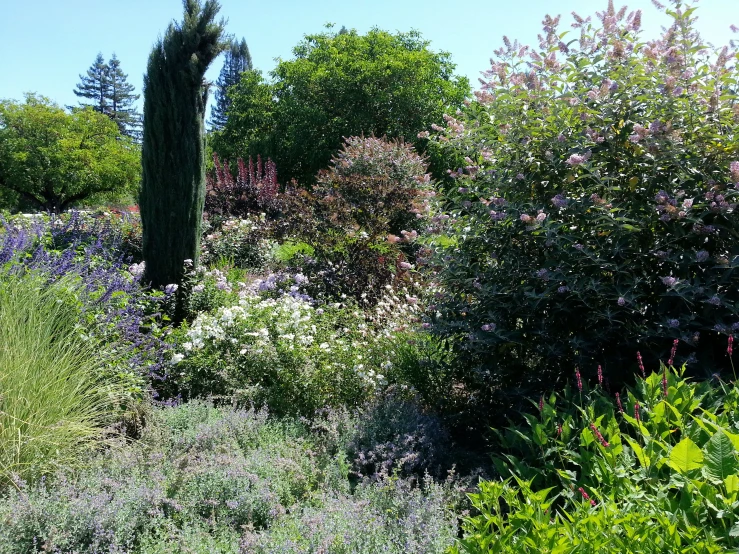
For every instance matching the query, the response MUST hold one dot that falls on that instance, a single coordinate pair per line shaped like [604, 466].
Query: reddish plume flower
[730, 347]
[600, 376]
[618, 403]
[641, 364]
[673, 352]
[579, 379]
[559, 429]
[586, 497]
[541, 403]
[637, 415]
[597, 434]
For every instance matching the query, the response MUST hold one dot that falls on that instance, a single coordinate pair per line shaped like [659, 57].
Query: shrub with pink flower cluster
[628, 149]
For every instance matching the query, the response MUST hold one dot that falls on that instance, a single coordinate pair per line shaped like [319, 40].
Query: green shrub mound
[593, 211]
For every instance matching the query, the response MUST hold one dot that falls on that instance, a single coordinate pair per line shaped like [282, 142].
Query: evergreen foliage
[173, 158]
[238, 60]
[94, 86]
[107, 91]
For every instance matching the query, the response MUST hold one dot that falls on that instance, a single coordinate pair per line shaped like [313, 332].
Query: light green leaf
[732, 484]
[720, 458]
[685, 456]
[639, 451]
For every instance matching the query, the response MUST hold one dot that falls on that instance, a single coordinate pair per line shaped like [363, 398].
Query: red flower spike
[641, 364]
[600, 376]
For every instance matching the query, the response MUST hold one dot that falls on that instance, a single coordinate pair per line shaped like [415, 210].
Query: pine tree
[108, 92]
[238, 60]
[173, 153]
[95, 86]
[121, 98]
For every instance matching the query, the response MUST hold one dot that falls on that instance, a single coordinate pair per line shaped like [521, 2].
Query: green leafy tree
[339, 85]
[238, 60]
[173, 157]
[107, 90]
[52, 160]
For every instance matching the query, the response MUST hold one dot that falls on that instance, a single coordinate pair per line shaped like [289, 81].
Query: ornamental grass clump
[592, 206]
[55, 401]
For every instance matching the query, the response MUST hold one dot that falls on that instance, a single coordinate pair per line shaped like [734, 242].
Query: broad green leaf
[732, 484]
[639, 451]
[720, 458]
[685, 456]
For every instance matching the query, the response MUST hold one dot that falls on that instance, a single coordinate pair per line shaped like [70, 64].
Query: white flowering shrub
[242, 242]
[280, 352]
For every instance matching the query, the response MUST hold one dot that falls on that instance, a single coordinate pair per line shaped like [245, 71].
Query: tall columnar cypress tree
[238, 60]
[173, 153]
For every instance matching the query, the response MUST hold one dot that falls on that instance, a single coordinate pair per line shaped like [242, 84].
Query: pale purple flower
[541, 217]
[406, 265]
[520, 177]
[578, 246]
[563, 289]
[621, 301]
[715, 300]
[198, 288]
[578, 159]
[673, 323]
[559, 201]
[526, 218]
[734, 169]
[702, 255]
[170, 289]
[488, 327]
[669, 281]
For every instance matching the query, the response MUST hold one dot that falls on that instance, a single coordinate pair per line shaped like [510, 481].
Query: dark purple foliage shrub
[362, 218]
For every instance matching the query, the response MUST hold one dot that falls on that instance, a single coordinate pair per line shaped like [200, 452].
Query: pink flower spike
[586, 497]
[541, 403]
[598, 435]
[600, 375]
[730, 348]
[618, 403]
[579, 380]
[673, 352]
[641, 364]
[637, 415]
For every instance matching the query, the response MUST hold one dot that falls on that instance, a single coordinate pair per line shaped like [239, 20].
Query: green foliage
[338, 85]
[653, 470]
[173, 156]
[594, 210]
[206, 479]
[52, 160]
[56, 398]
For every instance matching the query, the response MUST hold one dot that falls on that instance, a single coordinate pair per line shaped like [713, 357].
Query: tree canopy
[51, 159]
[339, 85]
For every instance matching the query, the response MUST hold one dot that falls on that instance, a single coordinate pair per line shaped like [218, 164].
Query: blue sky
[48, 43]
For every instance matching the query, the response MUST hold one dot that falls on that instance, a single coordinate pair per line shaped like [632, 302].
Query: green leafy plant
[593, 473]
